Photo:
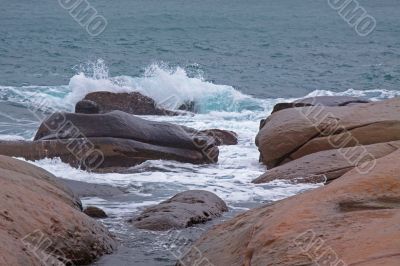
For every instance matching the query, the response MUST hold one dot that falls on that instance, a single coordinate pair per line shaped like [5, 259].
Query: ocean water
[235, 59]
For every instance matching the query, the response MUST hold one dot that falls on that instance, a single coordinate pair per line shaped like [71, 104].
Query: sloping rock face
[107, 155]
[41, 222]
[183, 210]
[325, 166]
[132, 103]
[352, 221]
[296, 132]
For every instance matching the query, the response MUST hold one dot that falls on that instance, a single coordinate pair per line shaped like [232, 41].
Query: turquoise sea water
[284, 48]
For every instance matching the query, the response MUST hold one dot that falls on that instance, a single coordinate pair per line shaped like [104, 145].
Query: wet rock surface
[183, 210]
[222, 137]
[113, 140]
[132, 103]
[95, 212]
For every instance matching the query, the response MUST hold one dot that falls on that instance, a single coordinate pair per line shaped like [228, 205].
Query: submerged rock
[41, 221]
[95, 212]
[352, 221]
[183, 210]
[84, 189]
[132, 103]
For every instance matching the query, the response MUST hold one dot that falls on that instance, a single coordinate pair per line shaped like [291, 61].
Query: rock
[293, 133]
[352, 221]
[117, 124]
[321, 100]
[87, 107]
[41, 222]
[183, 210]
[111, 141]
[325, 166]
[132, 103]
[222, 137]
[95, 212]
[107, 154]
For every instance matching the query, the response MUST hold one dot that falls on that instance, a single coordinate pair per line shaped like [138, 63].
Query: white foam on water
[221, 106]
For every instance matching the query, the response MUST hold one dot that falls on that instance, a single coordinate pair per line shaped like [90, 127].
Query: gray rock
[87, 107]
[183, 210]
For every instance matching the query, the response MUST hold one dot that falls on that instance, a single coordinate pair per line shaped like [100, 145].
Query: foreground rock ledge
[352, 221]
[41, 220]
[182, 210]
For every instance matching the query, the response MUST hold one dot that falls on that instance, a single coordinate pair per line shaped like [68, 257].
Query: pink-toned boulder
[41, 222]
[296, 132]
[352, 221]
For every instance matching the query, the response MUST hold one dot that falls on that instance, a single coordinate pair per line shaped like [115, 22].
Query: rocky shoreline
[350, 144]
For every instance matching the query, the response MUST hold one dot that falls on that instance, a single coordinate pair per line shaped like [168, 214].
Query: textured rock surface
[352, 221]
[40, 220]
[293, 133]
[183, 210]
[328, 165]
[132, 103]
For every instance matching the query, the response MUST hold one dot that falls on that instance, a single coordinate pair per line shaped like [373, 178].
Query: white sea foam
[221, 106]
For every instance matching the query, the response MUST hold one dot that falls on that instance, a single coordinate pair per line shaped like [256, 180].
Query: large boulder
[296, 132]
[352, 221]
[103, 154]
[41, 222]
[113, 140]
[182, 210]
[132, 103]
[84, 189]
[117, 124]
